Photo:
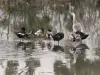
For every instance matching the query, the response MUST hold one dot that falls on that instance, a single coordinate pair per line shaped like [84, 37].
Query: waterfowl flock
[76, 39]
[41, 33]
[77, 34]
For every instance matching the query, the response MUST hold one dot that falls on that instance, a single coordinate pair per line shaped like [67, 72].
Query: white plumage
[76, 25]
[78, 33]
[38, 33]
[21, 34]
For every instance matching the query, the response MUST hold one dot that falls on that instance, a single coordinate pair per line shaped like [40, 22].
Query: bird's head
[72, 14]
[42, 29]
[23, 29]
[49, 30]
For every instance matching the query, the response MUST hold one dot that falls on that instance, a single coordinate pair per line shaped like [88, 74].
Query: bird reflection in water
[78, 51]
[1, 63]
[61, 69]
[31, 65]
[19, 44]
[87, 68]
[49, 45]
[42, 44]
[12, 67]
[57, 48]
[25, 45]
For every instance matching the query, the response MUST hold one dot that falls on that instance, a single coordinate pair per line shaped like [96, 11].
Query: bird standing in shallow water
[22, 34]
[77, 29]
[49, 34]
[56, 37]
[40, 32]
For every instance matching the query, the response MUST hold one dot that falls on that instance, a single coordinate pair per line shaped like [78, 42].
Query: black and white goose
[77, 29]
[56, 37]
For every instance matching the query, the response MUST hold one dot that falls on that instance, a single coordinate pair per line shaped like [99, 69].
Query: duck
[22, 33]
[49, 34]
[56, 37]
[83, 35]
[39, 32]
[77, 29]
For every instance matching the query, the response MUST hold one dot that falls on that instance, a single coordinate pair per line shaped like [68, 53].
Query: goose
[77, 29]
[56, 37]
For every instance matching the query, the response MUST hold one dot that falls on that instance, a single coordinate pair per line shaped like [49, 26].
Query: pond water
[42, 56]
[47, 58]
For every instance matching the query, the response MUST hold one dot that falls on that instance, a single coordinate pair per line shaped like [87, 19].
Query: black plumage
[58, 36]
[83, 35]
[22, 34]
[79, 36]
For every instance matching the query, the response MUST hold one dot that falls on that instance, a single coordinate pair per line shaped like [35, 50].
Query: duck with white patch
[22, 34]
[40, 32]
